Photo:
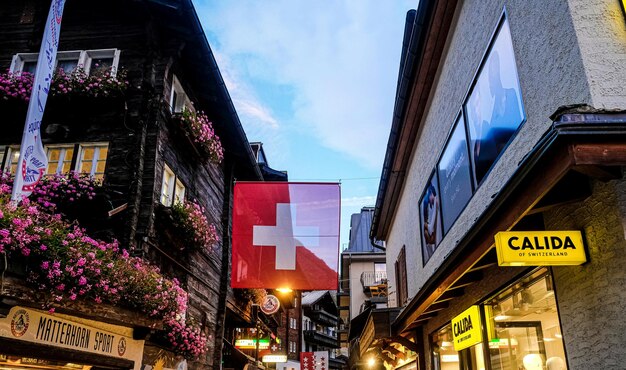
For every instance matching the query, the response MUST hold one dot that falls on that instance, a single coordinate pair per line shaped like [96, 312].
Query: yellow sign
[540, 248]
[466, 329]
[251, 343]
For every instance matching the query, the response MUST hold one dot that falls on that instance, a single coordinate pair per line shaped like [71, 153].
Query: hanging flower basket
[200, 129]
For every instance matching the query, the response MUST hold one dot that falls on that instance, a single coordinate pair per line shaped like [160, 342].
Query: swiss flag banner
[314, 360]
[307, 361]
[285, 235]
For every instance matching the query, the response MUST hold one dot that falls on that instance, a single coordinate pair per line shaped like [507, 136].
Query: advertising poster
[454, 175]
[430, 218]
[494, 108]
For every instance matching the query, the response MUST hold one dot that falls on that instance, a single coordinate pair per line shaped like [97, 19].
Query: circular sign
[20, 323]
[270, 304]
[121, 346]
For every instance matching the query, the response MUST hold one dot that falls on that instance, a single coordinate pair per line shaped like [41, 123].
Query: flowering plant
[77, 83]
[62, 189]
[65, 262]
[190, 218]
[186, 338]
[16, 85]
[203, 134]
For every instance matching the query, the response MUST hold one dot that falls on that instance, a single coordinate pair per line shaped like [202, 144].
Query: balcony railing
[319, 338]
[371, 278]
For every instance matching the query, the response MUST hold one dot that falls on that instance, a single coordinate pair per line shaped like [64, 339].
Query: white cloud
[358, 201]
[337, 58]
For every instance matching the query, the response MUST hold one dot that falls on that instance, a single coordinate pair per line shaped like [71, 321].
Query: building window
[12, 156]
[90, 60]
[59, 159]
[292, 347]
[179, 101]
[172, 189]
[92, 159]
[401, 283]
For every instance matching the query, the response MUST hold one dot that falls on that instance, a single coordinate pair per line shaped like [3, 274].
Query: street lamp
[371, 362]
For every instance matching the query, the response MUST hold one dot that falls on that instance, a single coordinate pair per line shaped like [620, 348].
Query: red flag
[307, 361]
[285, 235]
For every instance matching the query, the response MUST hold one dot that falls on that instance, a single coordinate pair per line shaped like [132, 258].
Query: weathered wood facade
[156, 40]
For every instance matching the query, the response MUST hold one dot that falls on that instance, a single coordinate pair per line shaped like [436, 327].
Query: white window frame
[88, 55]
[84, 58]
[9, 151]
[177, 88]
[173, 186]
[64, 148]
[96, 154]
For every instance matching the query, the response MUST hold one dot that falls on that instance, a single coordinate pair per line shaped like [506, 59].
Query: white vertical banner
[321, 360]
[33, 160]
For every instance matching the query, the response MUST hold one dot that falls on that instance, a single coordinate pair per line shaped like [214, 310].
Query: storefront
[517, 328]
[32, 338]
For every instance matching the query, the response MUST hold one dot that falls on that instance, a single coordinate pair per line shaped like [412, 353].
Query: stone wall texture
[591, 297]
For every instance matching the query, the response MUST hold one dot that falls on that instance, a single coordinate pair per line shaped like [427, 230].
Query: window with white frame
[90, 60]
[172, 189]
[92, 159]
[59, 159]
[11, 157]
[292, 347]
[179, 101]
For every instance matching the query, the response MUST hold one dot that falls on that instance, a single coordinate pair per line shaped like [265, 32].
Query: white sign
[62, 331]
[275, 358]
[286, 236]
[270, 304]
[33, 159]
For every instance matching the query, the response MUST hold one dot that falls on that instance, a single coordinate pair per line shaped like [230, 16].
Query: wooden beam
[437, 307]
[599, 154]
[450, 294]
[466, 279]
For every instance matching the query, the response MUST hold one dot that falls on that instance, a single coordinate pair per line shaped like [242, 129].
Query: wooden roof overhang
[577, 147]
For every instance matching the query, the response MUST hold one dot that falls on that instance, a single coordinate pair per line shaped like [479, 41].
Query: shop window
[92, 159]
[526, 331]
[445, 357]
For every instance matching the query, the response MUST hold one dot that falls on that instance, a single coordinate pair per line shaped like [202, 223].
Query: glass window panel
[167, 189]
[526, 327]
[67, 166]
[100, 166]
[179, 192]
[88, 153]
[104, 151]
[53, 154]
[14, 158]
[67, 65]
[30, 67]
[99, 65]
[85, 167]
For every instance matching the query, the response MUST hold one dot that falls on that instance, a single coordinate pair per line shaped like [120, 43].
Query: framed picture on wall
[494, 109]
[430, 218]
[454, 175]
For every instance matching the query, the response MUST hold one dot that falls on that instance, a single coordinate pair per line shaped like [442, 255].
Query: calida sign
[467, 329]
[540, 248]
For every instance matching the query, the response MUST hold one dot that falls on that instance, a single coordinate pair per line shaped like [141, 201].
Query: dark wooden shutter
[401, 283]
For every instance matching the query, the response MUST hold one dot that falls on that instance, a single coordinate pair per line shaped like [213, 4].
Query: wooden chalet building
[137, 139]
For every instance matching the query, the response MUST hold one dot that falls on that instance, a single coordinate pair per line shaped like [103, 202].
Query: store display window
[446, 358]
[525, 331]
[521, 328]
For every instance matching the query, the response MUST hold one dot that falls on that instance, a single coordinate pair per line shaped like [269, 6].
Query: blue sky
[315, 82]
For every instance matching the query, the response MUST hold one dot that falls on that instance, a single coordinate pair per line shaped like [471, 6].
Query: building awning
[582, 143]
[375, 338]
